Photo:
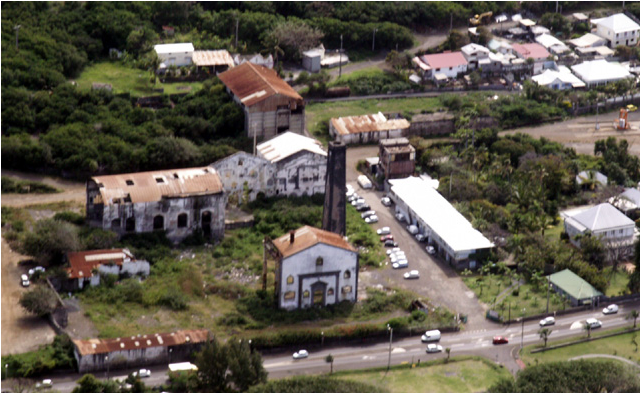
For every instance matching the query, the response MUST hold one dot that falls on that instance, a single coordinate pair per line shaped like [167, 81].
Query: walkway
[598, 355]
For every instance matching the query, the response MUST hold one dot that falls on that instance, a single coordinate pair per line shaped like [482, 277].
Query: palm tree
[634, 314]
[587, 327]
[448, 351]
[544, 335]
[329, 359]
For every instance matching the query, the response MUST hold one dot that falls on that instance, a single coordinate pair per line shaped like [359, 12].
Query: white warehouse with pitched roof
[446, 229]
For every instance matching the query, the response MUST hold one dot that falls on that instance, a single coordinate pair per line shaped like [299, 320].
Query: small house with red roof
[535, 51]
[86, 267]
[442, 66]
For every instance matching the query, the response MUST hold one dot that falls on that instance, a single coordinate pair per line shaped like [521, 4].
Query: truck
[364, 182]
[184, 367]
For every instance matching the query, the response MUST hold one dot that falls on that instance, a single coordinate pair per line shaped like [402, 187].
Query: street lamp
[6, 368]
[17, 28]
[106, 360]
[390, 329]
[340, 62]
[322, 338]
[373, 44]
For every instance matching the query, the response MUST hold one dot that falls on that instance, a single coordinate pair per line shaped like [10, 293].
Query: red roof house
[533, 50]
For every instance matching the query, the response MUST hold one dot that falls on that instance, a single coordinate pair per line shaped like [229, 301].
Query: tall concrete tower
[334, 214]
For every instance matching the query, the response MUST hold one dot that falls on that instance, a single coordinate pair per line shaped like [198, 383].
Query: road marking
[457, 345]
[399, 350]
[576, 325]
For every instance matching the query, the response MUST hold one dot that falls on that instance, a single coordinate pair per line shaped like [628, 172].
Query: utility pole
[557, 6]
[548, 284]
[390, 329]
[17, 28]
[597, 123]
[522, 336]
[373, 45]
[450, 23]
[237, 23]
[340, 56]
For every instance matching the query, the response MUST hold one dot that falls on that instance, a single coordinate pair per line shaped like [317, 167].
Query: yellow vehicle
[482, 19]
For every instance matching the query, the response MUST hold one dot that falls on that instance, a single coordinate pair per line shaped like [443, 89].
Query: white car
[368, 213]
[301, 354]
[400, 217]
[420, 237]
[401, 264]
[143, 373]
[393, 250]
[371, 219]
[359, 201]
[46, 383]
[610, 309]
[386, 201]
[397, 257]
[384, 231]
[414, 274]
[37, 269]
[434, 348]
[412, 229]
[430, 250]
[594, 323]
[24, 280]
[548, 321]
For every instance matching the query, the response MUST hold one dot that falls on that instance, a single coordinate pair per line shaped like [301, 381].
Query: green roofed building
[577, 290]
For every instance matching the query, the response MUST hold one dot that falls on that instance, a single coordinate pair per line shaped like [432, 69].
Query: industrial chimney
[334, 214]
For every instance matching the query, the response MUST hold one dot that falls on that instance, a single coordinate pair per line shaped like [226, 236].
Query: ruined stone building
[243, 173]
[87, 267]
[314, 267]
[270, 105]
[300, 162]
[397, 158]
[177, 201]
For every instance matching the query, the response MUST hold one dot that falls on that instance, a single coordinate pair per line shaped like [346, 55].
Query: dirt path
[21, 332]
[71, 190]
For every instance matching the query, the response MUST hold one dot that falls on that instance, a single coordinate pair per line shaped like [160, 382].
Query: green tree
[544, 335]
[448, 351]
[88, 384]
[329, 359]
[587, 327]
[593, 251]
[634, 279]
[245, 365]
[212, 363]
[51, 240]
[40, 301]
[633, 314]
[293, 37]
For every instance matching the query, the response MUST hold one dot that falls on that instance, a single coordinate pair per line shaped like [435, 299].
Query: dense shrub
[315, 384]
[10, 185]
[57, 355]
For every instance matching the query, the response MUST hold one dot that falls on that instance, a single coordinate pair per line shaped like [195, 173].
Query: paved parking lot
[439, 282]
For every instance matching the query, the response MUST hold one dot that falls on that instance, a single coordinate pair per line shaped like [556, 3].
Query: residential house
[314, 267]
[588, 40]
[604, 221]
[441, 66]
[366, 128]
[244, 175]
[300, 162]
[600, 72]
[533, 51]
[270, 105]
[256, 59]
[552, 44]
[574, 288]
[628, 202]
[177, 201]
[617, 29]
[592, 179]
[500, 46]
[397, 158]
[562, 79]
[100, 354]
[86, 267]
[179, 54]
[214, 61]
[473, 53]
[453, 237]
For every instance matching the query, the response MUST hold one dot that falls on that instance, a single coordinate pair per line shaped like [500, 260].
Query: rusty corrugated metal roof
[82, 263]
[206, 58]
[153, 186]
[97, 345]
[306, 237]
[253, 83]
[367, 123]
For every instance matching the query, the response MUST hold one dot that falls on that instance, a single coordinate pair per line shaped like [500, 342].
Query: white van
[364, 182]
[431, 335]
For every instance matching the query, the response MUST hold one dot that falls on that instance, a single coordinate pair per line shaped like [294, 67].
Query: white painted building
[441, 66]
[562, 79]
[300, 161]
[617, 29]
[180, 54]
[86, 267]
[243, 170]
[604, 221]
[446, 229]
[473, 53]
[552, 44]
[588, 40]
[600, 72]
[314, 267]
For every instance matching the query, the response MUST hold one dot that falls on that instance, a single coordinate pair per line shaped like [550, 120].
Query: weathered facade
[314, 268]
[397, 158]
[86, 267]
[367, 128]
[245, 175]
[177, 201]
[270, 105]
[334, 212]
[300, 162]
[141, 350]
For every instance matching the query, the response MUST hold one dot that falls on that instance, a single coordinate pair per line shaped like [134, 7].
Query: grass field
[618, 346]
[458, 376]
[319, 114]
[617, 281]
[130, 80]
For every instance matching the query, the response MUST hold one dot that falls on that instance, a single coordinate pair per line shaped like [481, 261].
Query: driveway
[438, 282]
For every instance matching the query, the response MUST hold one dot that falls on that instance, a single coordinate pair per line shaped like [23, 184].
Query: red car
[500, 340]
[386, 237]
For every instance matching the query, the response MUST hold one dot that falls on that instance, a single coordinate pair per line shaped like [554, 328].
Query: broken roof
[97, 345]
[208, 58]
[367, 123]
[287, 144]
[82, 263]
[444, 60]
[306, 237]
[154, 186]
[254, 83]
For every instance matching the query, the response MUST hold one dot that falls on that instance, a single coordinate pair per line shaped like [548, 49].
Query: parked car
[386, 237]
[357, 201]
[430, 250]
[414, 274]
[396, 258]
[386, 201]
[364, 182]
[397, 255]
[500, 340]
[548, 321]
[610, 309]
[368, 213]
[420, 237]
[363, 207]
[393, 250]
[412, 229]
[24, 280]
[400, 217]
[353, 197]
[301, 354]
[384, 231]
[390, 243]
[400, 264]
[431, 335]
[594, 323]
[371, 219]
[142, 373]
[434, 348]
[45, 384]
[37, 269]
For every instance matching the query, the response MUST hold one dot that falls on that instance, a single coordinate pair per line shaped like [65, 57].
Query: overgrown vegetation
[315, 384]
[57, 355]
[10, 185]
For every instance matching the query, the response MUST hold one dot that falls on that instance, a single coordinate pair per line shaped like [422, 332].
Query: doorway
[206, 223]
[318, 293]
